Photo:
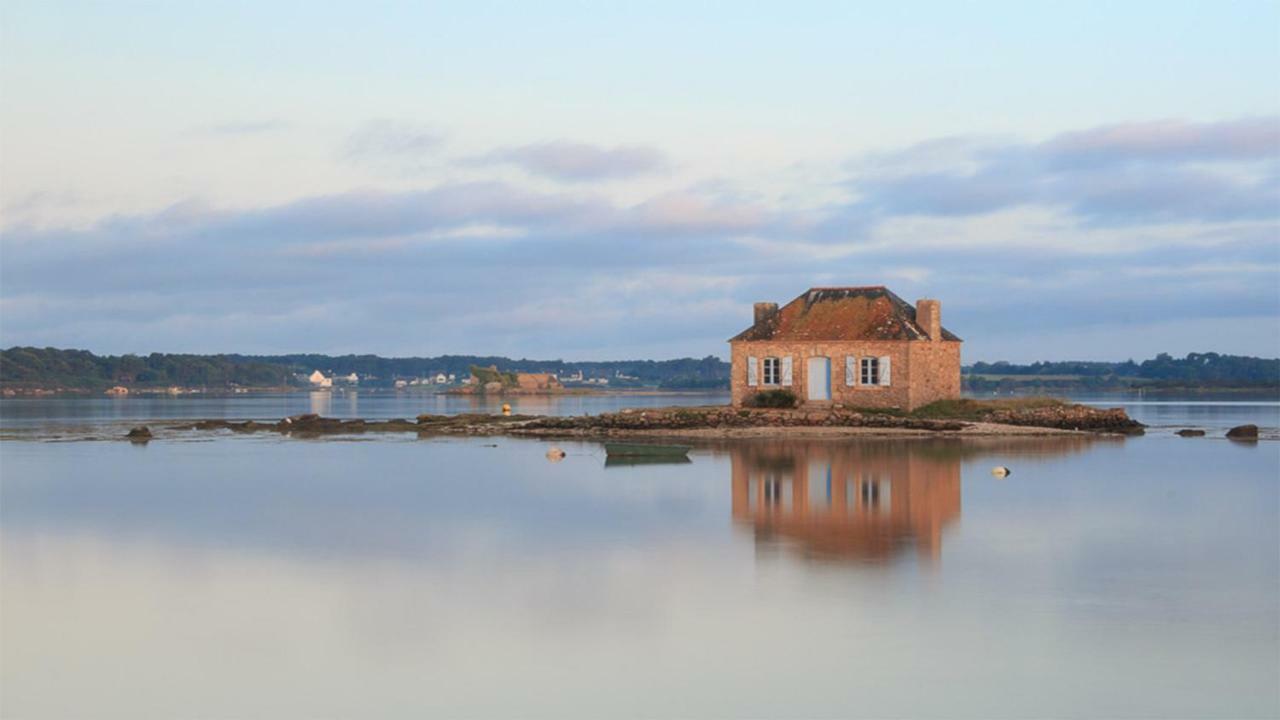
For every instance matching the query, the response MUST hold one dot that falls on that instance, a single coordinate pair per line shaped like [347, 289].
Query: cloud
[1012, 240]
[578, 162]
[1132, 174]
[1168, 141]
[390, 145]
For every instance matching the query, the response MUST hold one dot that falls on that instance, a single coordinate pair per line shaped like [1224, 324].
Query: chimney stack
[764, 311]
[929, 317]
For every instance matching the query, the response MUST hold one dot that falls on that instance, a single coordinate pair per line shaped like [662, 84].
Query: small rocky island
[958, 418]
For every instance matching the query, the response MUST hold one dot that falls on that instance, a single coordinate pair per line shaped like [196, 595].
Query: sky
[1092, 181]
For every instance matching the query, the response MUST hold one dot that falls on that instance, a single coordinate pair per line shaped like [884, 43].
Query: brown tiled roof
[842, 313]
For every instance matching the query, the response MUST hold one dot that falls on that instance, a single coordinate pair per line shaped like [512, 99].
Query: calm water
[258, 576]
[60, 413]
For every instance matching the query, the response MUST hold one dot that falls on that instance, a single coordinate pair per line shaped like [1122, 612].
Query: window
[875, 495]
[772, 371]
[870, 371]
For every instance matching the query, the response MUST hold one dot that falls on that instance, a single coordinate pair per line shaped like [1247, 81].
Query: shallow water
[260, 576]
[53, 412]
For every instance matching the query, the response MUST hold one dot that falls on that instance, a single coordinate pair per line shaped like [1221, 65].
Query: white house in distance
[318, 379]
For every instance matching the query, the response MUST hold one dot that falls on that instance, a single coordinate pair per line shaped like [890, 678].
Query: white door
[819, 373]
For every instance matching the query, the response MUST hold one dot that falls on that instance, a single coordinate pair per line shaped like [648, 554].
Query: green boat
[647, 451]
[632, 460]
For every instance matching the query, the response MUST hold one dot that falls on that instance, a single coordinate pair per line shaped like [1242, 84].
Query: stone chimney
[929, 317]
[764, 311]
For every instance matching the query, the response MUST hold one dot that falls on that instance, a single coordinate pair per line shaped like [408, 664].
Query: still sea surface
[219, 576]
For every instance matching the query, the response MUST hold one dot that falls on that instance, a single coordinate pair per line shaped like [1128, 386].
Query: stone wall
[935, 370]
[921, 371]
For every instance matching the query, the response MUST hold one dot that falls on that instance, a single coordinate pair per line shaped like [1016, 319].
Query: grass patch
[486, 375]
[970, 409]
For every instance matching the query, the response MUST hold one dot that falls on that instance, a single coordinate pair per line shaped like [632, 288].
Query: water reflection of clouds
[407, 579]
[418, 502]
[427, 502]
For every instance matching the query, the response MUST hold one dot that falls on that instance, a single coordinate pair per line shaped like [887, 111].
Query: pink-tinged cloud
[1132, 174]
[1170, 141]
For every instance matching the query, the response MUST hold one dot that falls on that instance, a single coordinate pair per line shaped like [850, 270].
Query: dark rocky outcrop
[1243, 432]
[676, 419]
[1191, 433]
[683, 419]
[311, 425]
[140, 433]
[1071, 417]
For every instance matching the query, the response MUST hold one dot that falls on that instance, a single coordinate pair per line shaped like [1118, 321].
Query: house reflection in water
[866, 501]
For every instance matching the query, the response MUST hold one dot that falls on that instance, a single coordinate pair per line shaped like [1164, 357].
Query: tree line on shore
[53, 368]
[1196, 370]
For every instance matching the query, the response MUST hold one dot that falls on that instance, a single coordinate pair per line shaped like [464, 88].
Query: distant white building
[353, 378]
[441, 378]
[401, 383]
[318, 379]
[452, 377]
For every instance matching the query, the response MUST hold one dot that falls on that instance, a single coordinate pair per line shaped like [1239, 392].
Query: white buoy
[1001, 471]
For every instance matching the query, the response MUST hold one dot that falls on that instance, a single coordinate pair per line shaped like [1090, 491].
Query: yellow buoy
[555, 454]
[506, 409]
[1001, 471]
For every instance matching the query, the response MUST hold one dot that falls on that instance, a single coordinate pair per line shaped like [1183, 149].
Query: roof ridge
[851, 312]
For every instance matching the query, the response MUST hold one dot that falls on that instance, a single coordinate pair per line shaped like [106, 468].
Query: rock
[1243, 432]
[1070, 417]
[1191, 433]
[142, 432]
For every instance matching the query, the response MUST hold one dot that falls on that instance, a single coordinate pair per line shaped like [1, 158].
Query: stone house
[537, 381]
[855, 346]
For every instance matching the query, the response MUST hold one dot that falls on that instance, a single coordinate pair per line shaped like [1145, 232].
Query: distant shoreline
[17, 393]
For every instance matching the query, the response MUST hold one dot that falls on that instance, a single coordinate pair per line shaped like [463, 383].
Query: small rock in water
[1191, 433]
[142, 432]
[1001, 471]
[1243, 432]
[555, 454]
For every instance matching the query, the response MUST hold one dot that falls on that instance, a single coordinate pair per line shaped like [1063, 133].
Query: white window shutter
[884, 370]
[850, 370]
[786, 370]
[752, 371]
